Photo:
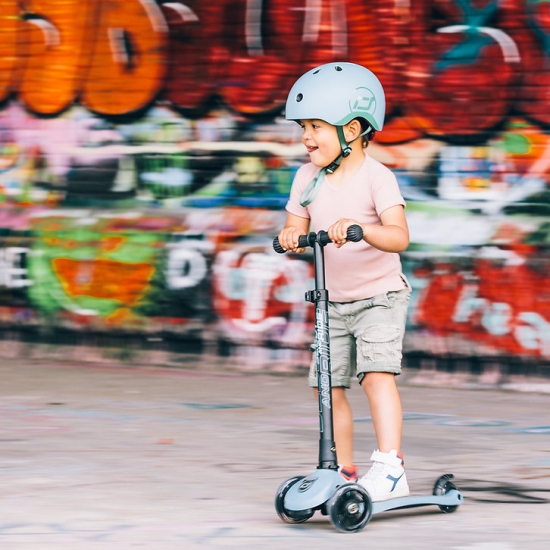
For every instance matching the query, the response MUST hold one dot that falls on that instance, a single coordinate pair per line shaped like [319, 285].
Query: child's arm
[391, 236]
[294, 227]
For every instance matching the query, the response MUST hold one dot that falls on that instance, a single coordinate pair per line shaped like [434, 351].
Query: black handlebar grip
[324, 239]
[355, 233]
[302, 243]
[277, 247]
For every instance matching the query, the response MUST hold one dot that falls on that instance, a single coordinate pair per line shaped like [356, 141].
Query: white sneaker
[386, 479]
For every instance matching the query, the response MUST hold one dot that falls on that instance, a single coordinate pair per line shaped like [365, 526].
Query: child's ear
[352, 130]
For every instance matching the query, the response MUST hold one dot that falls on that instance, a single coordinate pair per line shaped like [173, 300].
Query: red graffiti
[259, 297]
[506, 307]
[462, 70]
[196, 56]
[530, 29]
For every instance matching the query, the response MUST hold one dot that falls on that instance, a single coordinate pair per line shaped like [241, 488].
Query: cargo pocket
[381, 344]
[380, 300]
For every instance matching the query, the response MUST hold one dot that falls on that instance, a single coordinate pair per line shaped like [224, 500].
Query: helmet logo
[363, 101]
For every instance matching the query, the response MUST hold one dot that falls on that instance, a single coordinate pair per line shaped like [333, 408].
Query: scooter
[348, 505]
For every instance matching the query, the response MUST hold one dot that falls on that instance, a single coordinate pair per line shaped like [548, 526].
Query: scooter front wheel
[290, 516]
[350, 507]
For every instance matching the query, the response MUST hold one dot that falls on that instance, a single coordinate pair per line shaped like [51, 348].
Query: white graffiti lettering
[187, 266]
[12, 272]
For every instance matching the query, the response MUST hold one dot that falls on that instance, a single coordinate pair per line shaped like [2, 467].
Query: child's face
[321, 141]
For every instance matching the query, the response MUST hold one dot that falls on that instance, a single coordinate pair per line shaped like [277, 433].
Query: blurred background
[145, 164]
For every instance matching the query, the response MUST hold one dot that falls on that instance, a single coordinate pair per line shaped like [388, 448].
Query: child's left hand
[338, 232]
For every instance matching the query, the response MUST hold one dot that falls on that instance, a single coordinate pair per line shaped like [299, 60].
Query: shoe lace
[376, 470]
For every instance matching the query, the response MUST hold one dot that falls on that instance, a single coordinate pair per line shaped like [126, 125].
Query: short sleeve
[386, 192]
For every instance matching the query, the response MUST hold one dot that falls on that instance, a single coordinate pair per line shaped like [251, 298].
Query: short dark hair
[369, 136]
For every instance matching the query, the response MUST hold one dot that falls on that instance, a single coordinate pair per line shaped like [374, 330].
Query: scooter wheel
[442, 486]
[290, 516]
[350, 507]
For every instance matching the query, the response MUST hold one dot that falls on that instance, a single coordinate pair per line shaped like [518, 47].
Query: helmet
[337, 93]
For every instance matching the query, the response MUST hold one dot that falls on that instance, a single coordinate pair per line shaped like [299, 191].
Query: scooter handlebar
[355, 234]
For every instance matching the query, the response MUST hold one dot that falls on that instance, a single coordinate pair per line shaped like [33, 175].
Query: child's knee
[373, 379]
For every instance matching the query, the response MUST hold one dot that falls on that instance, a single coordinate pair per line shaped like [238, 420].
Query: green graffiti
[96, 268]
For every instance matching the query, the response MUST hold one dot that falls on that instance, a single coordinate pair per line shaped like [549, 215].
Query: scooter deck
[315, 489]
[452, 498]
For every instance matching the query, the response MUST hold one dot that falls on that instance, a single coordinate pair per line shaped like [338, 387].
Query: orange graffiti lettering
[9, 33]
[128, 61]
[56, 36]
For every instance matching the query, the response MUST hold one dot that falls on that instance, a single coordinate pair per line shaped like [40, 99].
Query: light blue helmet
[337, 93]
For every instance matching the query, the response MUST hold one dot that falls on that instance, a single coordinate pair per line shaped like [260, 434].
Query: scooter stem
[327, 446]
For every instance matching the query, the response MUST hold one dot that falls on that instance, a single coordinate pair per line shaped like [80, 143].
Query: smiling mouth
[311, 149]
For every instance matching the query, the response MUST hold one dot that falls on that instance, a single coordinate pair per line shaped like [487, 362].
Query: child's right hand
[288, 239]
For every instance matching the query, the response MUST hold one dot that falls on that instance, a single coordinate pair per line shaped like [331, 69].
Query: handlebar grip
[323, 237]
[355, 233]
[277, 247]
[302, 243]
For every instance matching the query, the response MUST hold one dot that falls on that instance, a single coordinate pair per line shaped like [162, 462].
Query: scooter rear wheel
[350, 507]
[290, 516]
[442, 486]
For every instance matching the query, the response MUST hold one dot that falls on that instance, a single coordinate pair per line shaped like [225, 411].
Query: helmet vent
[299, 98]
[337, 68]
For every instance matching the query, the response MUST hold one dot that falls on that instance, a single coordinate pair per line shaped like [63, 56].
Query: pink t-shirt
[357, 270]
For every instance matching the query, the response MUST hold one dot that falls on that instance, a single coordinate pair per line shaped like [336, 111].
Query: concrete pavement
[115, 458]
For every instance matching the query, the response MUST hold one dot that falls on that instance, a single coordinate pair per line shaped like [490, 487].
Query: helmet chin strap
[310, 192]
[344, 147]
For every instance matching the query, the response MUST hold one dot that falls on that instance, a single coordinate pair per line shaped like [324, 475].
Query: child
[339, 106]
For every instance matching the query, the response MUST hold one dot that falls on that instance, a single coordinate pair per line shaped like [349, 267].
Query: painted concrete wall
[145, 165]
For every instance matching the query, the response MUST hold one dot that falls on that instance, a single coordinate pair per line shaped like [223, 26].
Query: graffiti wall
[145, 163]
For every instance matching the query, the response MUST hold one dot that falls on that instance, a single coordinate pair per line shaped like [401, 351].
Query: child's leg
[343, 427]
[386, 410]
[342, 418]
[386, 477]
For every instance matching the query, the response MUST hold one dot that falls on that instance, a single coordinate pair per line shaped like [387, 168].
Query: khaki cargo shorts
[365, 336]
